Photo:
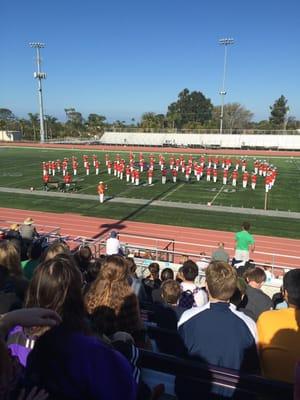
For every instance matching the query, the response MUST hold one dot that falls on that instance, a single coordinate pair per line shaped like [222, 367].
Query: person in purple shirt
[68, 361]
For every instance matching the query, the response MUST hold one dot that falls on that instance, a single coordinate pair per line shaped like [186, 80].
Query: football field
[21, 168]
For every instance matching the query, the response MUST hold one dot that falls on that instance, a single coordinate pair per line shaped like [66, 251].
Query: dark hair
[239, 293]
[93, 270]
[154, 269]
[170, 291]
[246, 225]
[167, 273]
[131, 265]
[35, 251]
[190, 270]
[291, 283]
[256, 274]
[56, 284]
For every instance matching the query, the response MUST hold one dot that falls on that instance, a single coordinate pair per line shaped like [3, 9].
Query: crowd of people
[72, 325]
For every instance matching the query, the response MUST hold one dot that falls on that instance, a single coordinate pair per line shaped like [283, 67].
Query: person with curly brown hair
[111, 301]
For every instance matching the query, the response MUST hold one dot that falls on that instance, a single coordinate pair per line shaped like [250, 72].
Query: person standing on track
[244, 243]
[101, 191]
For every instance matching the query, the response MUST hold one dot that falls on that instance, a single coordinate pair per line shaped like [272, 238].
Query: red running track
[197, 240]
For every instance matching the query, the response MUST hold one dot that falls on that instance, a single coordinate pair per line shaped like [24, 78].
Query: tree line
[191, 110]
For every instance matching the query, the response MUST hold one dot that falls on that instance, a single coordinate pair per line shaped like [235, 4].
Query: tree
[190, 107]
[7, 118]
[96, 123]
[279, 111]
[74, 124]
[235, 116]
[34, 121]
[150, 120]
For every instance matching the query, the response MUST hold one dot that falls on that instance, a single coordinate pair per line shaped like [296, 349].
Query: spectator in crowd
[239, 293]
[34, 254]
[8, 298]
[135, 282]
[56, 248]
[28, 232]
[244, 242]
[216, 332]
[168, 312]
[92, 272]
[152, 281]
[166, 274]
[220, 254]
[50, 288]
[191, 295]
[204, 261]
[11, 372]
[14, 281]
[83, 257]
[179, 276]
[256, 301]
[113, 245]
[92, 367]
[112, 302]
[13, 232]
[279, 333]
[278, 300]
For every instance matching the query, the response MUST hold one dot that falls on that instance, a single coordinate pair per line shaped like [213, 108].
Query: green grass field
[21, 168]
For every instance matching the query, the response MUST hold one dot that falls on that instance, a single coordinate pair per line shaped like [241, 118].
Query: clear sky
[120, 58]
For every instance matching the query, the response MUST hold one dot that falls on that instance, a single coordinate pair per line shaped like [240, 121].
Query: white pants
[224, 181]
[198, 177]
[109, 171]
[233, 182]
[87, 172]
[174, 179]
[53, 172]
[208, 178]
[244, 184]
[97, 171]
[187, 178]
[150, 180]
[101, 197]
[127, 178]
[255, 170]
[64, 172]
[253, 185]
[132, 179]
[141, 168]
[242, 255]
[267, 188]
[163, 179]
[137, 181]
[84, 164]
[75, 172]
[243, 168]
[115, 172]
[215, 179]
[121, 176]
[44, 172]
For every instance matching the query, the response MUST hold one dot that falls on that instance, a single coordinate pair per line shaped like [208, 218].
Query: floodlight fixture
[39, 75]
[224, 42]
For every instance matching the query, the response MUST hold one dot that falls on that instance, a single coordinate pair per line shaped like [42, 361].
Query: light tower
[225, 42]
[39, 76]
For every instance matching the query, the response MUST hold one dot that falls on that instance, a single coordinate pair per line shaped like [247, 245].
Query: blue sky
[120, 58]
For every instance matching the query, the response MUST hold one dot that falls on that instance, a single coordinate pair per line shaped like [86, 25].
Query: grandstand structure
[202, 140]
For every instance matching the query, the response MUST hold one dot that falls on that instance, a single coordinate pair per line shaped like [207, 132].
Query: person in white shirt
[113, 246]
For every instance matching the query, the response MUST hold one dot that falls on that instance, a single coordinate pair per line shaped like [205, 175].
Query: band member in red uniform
[137, 177]
[208, 173]
[225, 176]
[215, 175]
[174, 175]
[97, 165]
[150, 176]
[253, 181]
[46, 179]
[245, 178]
[164, 176]
[234, 177]
[127, 171]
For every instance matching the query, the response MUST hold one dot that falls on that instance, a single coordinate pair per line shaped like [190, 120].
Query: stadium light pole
[224, 42]
[39, 76]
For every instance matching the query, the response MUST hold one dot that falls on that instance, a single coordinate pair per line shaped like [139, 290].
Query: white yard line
[219, 192]
[172, 191]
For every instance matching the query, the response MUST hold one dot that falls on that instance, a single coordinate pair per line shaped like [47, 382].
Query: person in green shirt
[244, 243]
[34, 254]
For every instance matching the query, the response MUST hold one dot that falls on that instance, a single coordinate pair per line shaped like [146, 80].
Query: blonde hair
[221, 280]
[10, 258]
